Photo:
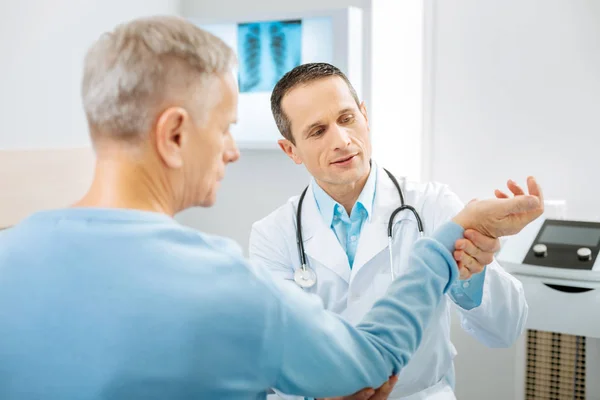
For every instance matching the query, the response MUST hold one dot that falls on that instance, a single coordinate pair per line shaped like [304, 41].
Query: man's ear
[171, 136]
[290, 149]
[363, 111]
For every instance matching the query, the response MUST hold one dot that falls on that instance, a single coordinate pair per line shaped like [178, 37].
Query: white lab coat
[497, 322]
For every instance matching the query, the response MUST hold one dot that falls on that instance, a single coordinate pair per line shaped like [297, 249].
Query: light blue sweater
[122, 304]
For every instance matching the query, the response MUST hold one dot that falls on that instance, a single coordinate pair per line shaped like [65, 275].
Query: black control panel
[565, 244]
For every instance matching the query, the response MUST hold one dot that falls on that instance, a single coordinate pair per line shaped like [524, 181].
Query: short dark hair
[301, 75]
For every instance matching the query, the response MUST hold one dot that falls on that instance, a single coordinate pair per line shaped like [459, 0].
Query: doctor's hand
[503, 216]
[474, 252]
[370, 394]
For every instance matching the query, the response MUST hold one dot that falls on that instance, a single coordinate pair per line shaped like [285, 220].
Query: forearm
[325, 356]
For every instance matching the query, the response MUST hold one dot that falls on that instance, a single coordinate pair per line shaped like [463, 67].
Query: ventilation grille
[555, 366]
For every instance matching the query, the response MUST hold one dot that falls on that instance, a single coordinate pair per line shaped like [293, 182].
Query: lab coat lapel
[373, 235]
[320, 242]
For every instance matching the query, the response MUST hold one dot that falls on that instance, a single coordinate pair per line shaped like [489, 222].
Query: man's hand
[503, 216]
[513, 187]
[370, 394]
[474, 252]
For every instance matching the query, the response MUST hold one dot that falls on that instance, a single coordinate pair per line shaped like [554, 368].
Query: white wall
[516, 92]
[42, 44]
[399, 47]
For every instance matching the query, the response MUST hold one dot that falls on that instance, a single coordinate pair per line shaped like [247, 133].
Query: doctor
[344, 221]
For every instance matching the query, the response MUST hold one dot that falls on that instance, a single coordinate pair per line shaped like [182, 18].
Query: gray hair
[131, 72]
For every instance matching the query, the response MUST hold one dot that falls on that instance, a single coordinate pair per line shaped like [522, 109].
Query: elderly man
[110, 298]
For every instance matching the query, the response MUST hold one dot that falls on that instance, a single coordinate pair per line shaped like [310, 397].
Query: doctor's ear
[289, 149]
[363, 111]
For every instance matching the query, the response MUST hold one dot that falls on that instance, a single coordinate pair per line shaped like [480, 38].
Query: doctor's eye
[346, 119]
[317, 132]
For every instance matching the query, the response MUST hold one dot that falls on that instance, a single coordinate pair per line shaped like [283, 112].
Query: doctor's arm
[491, 304]
[267, 249]
[321, 355]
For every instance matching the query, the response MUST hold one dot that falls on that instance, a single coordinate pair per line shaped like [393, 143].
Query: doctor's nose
[340, 137]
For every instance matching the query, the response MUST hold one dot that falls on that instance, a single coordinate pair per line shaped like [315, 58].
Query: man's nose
[340, 137]
[232, 153]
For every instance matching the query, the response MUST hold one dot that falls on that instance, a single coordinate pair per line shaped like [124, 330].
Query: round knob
[584, 254]
[540, 250]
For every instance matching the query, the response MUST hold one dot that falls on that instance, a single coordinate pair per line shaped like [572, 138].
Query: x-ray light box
[268, 46]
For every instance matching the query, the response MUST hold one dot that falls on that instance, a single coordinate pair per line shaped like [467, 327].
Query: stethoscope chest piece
[305, 277]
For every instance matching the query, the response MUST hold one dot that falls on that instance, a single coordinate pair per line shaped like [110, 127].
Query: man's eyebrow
[346, 110]
[311, 126]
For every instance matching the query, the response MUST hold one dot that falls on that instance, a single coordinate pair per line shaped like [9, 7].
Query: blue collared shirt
[467, 294]
[346, 227]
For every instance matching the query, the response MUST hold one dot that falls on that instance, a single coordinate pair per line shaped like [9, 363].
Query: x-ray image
[266, 51]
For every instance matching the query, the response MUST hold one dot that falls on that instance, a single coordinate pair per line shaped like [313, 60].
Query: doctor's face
[330, 131]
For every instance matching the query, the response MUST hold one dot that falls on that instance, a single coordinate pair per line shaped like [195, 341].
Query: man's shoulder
[213, 242]
[4, 238]
[200, 248]
[158, 238]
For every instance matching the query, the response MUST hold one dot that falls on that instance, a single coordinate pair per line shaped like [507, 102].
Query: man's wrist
[461, 220]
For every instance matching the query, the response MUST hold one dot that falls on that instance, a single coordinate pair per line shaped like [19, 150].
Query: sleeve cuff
[468, 294]
[448, 233]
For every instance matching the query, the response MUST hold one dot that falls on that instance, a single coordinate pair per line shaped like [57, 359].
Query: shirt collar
[367, 196]
[327, 205]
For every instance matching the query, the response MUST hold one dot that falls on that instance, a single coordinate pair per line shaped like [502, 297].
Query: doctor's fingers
[385, 390]
[465, 248]
[463, 272]
[364, 394]
[478, 246]
[467, 265]
[482, 242]
[480, 256]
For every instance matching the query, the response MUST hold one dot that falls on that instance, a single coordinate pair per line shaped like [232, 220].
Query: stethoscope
[306, 277]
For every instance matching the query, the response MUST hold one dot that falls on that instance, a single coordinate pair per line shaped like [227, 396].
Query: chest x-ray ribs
[278, 48]
[267, 51]
[251, 60]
